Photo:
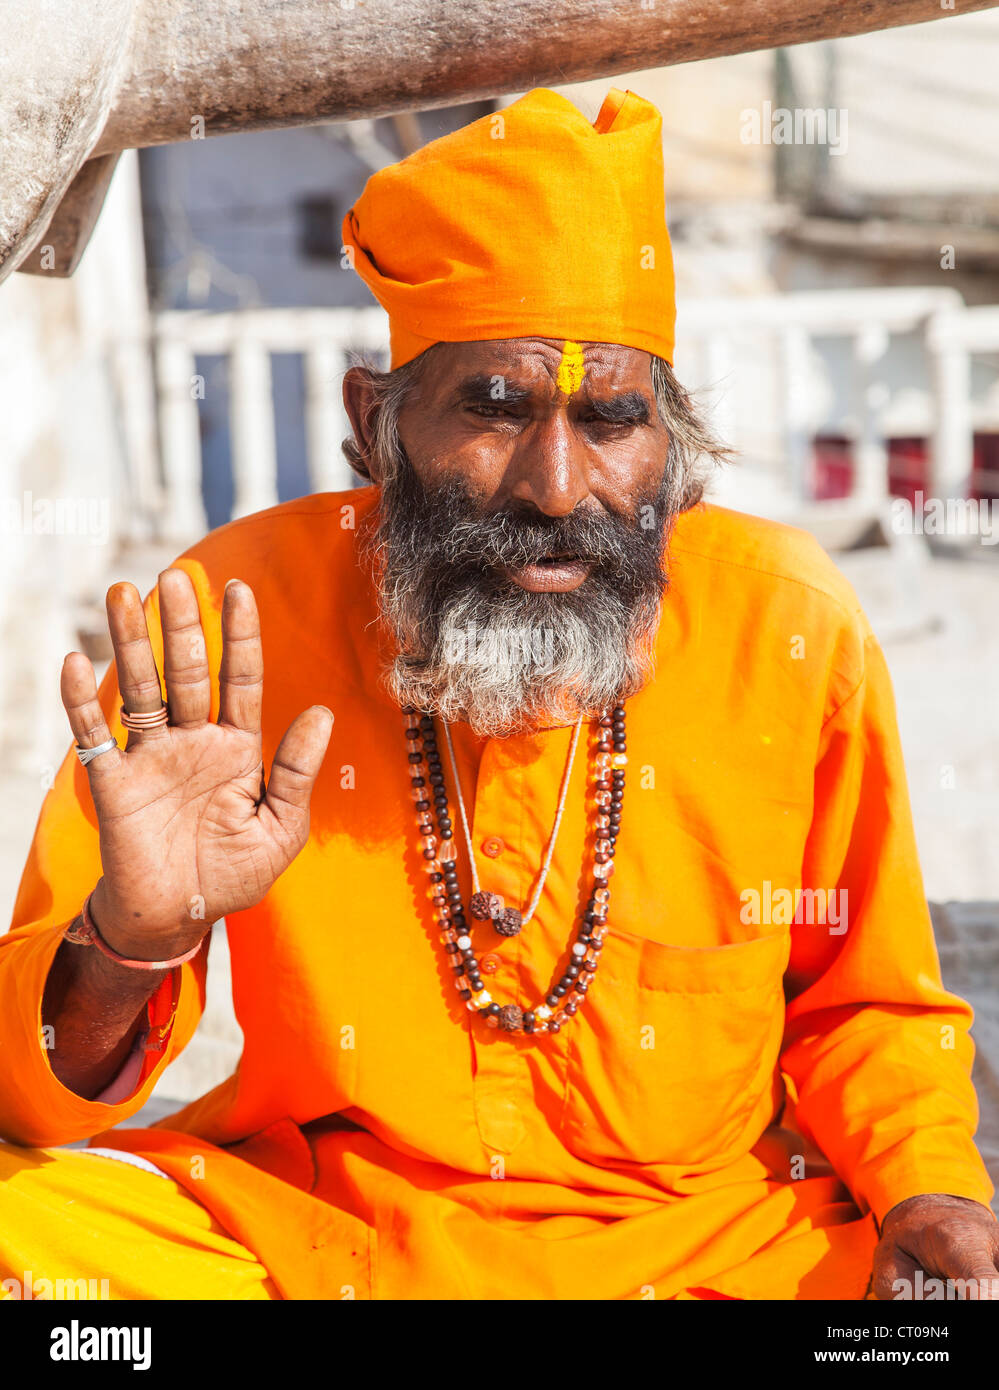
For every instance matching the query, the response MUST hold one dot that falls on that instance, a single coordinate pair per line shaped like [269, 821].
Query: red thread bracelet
[88, 935]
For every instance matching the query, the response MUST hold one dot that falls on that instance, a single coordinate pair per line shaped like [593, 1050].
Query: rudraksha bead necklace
[608, 762]
[485, 907]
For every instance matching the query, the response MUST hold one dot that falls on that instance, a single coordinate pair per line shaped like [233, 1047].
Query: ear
[359, 403]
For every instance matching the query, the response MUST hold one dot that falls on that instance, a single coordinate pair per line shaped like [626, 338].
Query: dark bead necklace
[439, 850]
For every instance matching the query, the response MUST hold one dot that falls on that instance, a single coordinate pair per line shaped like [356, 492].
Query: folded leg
[68, 1215]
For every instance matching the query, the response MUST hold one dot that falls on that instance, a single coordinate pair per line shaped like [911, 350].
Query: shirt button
[493, 846]
[489, 964]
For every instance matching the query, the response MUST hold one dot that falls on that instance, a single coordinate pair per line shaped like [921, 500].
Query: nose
[548, 467]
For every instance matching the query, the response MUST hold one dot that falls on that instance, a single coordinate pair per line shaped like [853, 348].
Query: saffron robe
[741, 1097]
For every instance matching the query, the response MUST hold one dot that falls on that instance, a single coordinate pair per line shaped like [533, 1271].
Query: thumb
[977, 1278]
[296, 764]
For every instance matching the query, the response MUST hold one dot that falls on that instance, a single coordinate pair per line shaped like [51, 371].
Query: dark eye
[603, 422]
[489, 411]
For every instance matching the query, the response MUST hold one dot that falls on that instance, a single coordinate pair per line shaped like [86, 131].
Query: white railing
[324, 337]
[870, 363]
[904, 367]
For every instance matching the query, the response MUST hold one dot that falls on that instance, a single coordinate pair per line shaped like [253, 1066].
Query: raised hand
[189, 830]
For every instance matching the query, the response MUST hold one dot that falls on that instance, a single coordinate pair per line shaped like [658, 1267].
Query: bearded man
[532, 1003]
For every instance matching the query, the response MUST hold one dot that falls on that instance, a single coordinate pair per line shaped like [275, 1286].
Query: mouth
[551, 574]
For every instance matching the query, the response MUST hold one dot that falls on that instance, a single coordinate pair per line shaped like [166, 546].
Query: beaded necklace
[490, 906]
[427, 790]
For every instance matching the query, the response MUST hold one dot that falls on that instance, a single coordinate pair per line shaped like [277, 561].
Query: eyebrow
[622, 407]
[480, 389]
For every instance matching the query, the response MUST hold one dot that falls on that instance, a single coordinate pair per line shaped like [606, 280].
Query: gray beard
[474, 646]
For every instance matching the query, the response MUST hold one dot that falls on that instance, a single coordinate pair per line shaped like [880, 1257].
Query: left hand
[946, 1238]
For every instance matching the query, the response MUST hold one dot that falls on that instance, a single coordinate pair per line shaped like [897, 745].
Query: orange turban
[530, 222]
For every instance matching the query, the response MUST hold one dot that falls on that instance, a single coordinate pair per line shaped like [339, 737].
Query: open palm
[189, 830]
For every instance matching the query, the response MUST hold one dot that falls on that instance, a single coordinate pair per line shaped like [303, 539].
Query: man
[594, 960]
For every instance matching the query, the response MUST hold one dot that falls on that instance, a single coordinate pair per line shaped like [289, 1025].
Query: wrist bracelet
[88, 935]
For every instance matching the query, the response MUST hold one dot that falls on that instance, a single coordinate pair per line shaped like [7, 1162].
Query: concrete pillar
[184, 519]
[251, 426]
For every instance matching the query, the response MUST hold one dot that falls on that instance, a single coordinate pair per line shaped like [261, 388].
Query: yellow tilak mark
[571, 369]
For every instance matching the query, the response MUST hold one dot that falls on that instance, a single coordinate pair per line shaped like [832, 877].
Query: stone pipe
[82, 80]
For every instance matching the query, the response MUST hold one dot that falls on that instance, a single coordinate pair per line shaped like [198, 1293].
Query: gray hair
[694, 451]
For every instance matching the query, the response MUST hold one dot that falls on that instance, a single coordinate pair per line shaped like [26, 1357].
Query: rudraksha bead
[482, 906]
[509, 922]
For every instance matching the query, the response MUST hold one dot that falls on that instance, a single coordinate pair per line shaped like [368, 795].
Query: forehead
[539, 363]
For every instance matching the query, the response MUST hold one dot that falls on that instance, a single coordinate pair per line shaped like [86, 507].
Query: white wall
[75, 407]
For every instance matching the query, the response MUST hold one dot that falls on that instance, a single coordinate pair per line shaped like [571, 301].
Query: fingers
[185, 656]
[968, 1258]
[296, 765]
[894, 1274]
[970, 1274]
[78, 686]
[241, 674]
[983, 1282]
[138, 678]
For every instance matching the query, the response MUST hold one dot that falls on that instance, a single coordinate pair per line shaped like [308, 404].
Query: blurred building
[903, 192]
[823, 170]
[252, 221]
[79, 459]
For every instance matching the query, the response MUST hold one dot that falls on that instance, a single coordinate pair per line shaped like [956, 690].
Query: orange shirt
[733, 1079]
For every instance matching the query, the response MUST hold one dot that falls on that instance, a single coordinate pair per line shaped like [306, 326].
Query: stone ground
[936, 618]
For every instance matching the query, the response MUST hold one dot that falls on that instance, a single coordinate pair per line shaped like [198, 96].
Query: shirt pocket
[673, 1057]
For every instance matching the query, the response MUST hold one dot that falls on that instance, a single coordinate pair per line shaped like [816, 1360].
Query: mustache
[439, 557]
[468, 538]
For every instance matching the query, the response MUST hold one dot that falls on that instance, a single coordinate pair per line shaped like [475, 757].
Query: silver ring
[87, 755]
